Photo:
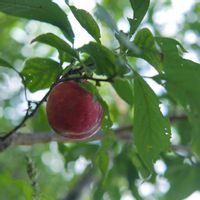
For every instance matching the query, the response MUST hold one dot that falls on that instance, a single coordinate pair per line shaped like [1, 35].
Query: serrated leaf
[124, 89]
[170, 47]
[105, 17]
[102, 14]
[45, 11]
[145, 41]
[182, 78]
[151, 129]
[103, 57]
[54, 41]
[40, 73]
[140, 8]
[87, 22]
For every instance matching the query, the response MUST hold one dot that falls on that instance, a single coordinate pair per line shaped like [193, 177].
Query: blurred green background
[60, 167]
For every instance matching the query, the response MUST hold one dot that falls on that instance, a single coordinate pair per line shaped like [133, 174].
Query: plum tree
[73, 112]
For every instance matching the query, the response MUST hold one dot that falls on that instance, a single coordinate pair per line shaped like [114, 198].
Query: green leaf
[73, 151]
[58, 43]
[123, 39]
[39, 121]
[40, 73]
[139, 164]
[65, 57]
[124, 89]
[4, 63]
[42, 10]
[145, 41]
[126, 44]
[182, 78]
[183, 127]
[171, 48]
[106, 122]
[19, 186]
[140, 8]
[175, 173]
[98, 191]
[87, 22]
[105, 17]
[151, 129]
[104, 58]
[102, 161]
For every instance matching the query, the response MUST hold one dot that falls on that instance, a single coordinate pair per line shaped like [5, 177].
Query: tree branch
[29, 113]
[17, 138]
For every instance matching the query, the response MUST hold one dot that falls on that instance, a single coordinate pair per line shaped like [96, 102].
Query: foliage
[135, 136]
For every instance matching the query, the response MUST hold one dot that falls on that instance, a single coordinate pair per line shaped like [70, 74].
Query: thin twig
[26, 117]
[85, 77]
[30, 114]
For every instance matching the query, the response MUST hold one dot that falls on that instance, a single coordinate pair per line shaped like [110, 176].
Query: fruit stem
[85, 77]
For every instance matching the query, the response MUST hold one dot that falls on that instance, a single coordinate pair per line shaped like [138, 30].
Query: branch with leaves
[7, 138]
[148, 136]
